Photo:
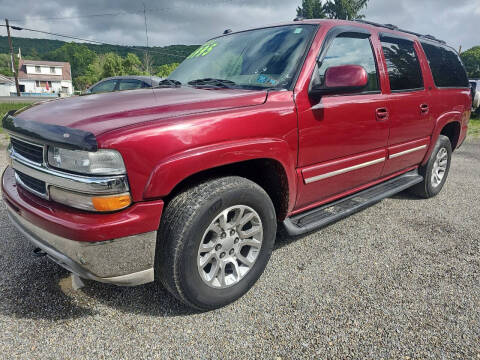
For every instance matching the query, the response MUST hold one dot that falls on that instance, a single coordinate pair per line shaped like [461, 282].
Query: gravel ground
[399, 280]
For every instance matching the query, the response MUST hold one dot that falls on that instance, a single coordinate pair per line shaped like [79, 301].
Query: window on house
[402, 63]
[52, 70]
[37, 69]
[43, 84]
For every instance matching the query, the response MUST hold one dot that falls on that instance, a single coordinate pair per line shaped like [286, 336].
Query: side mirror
[341, 80]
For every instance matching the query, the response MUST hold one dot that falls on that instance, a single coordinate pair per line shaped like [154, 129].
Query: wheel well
[452, 131]
[267, 173]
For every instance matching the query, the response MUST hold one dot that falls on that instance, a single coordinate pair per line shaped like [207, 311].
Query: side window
[446, 66]
[130, 84]
[105, 86]
[402, 63]
[350, 50]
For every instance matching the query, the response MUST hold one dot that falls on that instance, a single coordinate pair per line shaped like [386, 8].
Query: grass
[4, 107]
[474, 126]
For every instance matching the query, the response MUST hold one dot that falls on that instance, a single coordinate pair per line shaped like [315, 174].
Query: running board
[326, 214]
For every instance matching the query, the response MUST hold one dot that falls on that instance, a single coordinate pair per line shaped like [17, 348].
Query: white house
[44, 78]
[7, 85]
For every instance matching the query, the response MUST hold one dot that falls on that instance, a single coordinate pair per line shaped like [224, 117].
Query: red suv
[300, 124]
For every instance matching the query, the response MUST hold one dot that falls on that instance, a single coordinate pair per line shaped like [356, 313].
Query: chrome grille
[28, 150]
[34, 185]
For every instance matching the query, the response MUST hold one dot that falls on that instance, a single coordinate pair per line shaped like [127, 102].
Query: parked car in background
[119, 83]
[475, 84]
[300, 124]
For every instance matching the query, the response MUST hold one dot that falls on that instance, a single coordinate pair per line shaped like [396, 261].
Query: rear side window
[349, 49]
[447, 69]
[130, 84]
[402, 63]
[105, 86]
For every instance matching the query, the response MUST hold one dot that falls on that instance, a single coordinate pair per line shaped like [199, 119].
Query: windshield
[262, 58]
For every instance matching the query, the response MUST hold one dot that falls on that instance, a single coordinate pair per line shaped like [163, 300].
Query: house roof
[6, 80]
[22, 70]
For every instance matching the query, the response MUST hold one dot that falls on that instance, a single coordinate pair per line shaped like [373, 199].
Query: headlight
[100, 162]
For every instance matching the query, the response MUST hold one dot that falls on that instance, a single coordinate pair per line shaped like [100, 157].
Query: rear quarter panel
[449, 105]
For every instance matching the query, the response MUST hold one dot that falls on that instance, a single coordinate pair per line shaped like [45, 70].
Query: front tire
[435, 172]
[215, 240]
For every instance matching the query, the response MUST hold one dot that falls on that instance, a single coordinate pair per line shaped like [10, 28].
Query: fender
[444, 119]
[176, 168]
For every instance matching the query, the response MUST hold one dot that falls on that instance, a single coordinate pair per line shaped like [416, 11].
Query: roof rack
[394, 27]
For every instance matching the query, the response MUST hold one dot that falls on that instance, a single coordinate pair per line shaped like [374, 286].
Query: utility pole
[15, 74]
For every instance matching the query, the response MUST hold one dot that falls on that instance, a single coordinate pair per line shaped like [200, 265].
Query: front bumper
[127, 261]
[87, 244]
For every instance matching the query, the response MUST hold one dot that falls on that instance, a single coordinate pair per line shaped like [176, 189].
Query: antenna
[146, 36]
[147, 55]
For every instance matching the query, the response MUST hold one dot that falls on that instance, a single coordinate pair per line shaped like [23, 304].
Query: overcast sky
[194, 21]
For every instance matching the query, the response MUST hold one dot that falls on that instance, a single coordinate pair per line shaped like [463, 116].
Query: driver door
[342, 138]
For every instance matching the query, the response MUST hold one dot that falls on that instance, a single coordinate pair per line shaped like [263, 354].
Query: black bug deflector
[50, 134]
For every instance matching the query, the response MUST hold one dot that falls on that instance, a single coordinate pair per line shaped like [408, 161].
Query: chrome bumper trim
[126, 261]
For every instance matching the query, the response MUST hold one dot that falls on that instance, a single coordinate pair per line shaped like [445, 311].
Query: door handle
[424, 109]
[381, 114]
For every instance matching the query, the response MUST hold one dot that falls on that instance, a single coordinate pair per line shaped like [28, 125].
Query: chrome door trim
[343, 171]
[401, 153]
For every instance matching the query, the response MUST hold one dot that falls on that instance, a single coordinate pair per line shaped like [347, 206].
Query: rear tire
[435, 172]
[206, 257]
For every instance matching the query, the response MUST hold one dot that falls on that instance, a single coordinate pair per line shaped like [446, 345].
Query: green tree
[34, 55]
[132, 65]
[311, 9]
[471, 59]
[113, 65]
[79, 56]
[345, 9]
[332, 9]
[165, 70]
[5, 67]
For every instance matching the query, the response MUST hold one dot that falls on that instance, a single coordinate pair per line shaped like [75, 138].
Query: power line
[94, 41]
[69, 17]
[139, 12]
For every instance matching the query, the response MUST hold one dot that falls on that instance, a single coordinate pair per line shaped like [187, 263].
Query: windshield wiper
[215, 83]
[169, 83]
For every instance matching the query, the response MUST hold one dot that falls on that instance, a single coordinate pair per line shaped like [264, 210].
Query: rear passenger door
[408, 104]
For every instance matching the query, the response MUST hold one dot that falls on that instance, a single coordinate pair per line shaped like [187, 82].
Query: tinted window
[402, 64]
[347, 50]
[130, 84]
[447, 69]
[106, 86]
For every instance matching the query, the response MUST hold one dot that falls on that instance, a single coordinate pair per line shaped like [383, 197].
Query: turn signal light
[111, 203]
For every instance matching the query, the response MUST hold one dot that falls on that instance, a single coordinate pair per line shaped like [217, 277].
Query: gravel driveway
[400, 280]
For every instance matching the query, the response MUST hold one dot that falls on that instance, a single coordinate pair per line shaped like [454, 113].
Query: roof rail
[387, 26]
[431, 37]
[394, 27]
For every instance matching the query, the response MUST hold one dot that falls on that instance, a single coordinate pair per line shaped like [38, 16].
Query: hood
[100, 113]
